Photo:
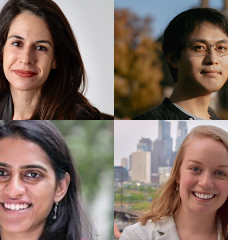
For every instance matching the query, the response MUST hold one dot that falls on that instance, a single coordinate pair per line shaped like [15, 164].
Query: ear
[62, 188]
[54, 64]
[171, 59]
[178, 178]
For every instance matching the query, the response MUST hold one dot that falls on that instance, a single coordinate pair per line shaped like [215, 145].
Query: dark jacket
[168, 111]
[6, 110]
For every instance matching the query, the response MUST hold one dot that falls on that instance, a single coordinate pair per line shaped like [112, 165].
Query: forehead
[207, 31]
[206, 150]
[17, 152]
[29, 26]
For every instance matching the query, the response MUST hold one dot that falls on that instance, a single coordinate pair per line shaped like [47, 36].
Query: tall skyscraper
[182, 132]
[145, 144]
[162, 147]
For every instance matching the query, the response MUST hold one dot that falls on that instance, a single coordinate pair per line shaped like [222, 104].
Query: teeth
[16, 207]
[202, 196]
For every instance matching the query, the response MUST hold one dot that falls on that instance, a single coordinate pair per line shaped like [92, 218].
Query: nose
[206, 180]
[14, 187]
[27, 56]
[211, 57]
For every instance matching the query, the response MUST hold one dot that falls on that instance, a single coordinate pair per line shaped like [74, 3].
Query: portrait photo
[171, 60]
[56, 60]
[55, 180]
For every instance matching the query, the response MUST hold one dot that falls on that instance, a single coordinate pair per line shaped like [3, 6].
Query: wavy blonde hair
[167, 201]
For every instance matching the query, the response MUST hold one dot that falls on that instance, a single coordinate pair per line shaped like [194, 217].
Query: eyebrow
[204, 40]
[24, 166]
[202, 164]
[40, 41]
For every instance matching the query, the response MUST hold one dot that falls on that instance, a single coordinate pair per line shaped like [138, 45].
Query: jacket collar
[184, 116]
[167, 227]
[8, 110]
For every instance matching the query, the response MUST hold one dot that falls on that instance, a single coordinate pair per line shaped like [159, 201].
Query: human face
[26, 177]
[204, 170]
[29, 47]
[203, 74]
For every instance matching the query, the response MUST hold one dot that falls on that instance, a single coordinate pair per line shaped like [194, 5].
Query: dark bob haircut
[185, 23]
[62, 93]
[70, 221]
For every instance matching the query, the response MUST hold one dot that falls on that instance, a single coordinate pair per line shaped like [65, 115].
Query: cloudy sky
[128, 133]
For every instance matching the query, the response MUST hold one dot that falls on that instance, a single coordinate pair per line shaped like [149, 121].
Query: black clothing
[168, 111]
[83, 113]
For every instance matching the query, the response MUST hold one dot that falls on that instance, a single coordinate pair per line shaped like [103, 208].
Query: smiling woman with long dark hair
[39, 187]
[42, 75]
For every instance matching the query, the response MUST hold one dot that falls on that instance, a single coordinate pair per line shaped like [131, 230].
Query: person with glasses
[196, 48]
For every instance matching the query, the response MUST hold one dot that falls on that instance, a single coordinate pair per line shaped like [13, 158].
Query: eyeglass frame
[208, 44]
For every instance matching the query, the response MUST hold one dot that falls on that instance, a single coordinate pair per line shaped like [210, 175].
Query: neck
[194, 102]
[24, 103]
[195, 224]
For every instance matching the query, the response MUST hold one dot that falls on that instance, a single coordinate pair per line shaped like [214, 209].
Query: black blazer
[6, 109]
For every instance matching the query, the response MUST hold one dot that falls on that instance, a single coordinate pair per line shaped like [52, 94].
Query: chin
[16, 227]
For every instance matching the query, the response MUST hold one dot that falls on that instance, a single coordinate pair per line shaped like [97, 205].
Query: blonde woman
[193, 203]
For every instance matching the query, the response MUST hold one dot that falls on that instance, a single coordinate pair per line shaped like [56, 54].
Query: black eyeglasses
[202, 47]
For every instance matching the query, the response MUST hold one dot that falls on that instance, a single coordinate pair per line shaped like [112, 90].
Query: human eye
[33, 175]
[17, 44]
[195, 169]
[222, 47]
[4, 174]
[220, 173]
[41, 48]
[200, 47]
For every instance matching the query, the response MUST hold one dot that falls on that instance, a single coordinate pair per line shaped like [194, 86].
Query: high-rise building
[145, 144]
[162, 147]
[163, 129]
[140, 166]
[182, 132]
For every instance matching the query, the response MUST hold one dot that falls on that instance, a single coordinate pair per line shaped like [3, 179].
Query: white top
[164, 229]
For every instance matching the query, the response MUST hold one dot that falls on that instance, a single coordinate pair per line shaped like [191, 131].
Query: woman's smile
[27, 185]
[28, 53]
[24, 74]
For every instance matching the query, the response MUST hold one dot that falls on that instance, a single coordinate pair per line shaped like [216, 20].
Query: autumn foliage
[137, 66]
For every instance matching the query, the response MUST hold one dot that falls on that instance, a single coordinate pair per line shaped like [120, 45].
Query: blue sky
[162, 11]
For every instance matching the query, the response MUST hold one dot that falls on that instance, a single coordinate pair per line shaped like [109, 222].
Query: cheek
[187, 183]
[9, 58]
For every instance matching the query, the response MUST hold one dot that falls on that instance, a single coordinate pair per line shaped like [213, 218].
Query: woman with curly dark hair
[42, 75]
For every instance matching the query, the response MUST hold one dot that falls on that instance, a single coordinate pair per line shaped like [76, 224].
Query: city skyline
[129, 133]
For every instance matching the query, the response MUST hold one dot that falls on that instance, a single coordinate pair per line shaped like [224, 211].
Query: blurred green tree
[91, 144]
[137, 67]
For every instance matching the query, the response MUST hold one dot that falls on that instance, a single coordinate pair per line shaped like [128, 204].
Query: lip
[210, 72]
[24, 74]
[16, 213]
[16, 202]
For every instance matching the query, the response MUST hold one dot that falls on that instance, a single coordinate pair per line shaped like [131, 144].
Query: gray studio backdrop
[92, 22]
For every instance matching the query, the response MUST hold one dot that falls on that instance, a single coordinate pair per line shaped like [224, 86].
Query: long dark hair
[62, 93]
[71, 223]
